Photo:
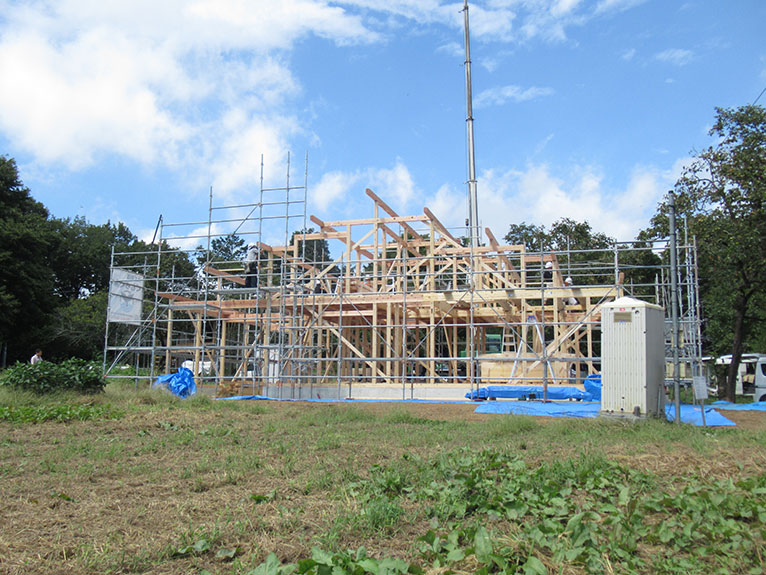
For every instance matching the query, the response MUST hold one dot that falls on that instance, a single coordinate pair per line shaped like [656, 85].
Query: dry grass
[125, 495]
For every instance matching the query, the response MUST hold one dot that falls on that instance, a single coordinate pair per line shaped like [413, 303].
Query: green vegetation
[164, 485]
[722, 194]
[38, 414]
[45, 377]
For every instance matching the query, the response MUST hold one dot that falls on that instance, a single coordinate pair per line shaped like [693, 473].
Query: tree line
[54, 273]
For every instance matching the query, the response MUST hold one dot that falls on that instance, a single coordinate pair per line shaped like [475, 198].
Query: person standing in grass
[37, 357]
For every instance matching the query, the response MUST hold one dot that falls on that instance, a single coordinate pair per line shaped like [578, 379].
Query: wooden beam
[346, 236]
[494, 243]
[386, 208]
[442, 229]
[224, 275]
[371, 221]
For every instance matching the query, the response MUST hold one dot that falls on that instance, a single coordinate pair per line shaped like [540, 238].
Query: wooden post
[169, 340]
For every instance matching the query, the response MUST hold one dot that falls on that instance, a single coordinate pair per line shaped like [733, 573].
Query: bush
[46, 377]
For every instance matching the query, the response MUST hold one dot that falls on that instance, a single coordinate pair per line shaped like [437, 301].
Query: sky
[586, 109]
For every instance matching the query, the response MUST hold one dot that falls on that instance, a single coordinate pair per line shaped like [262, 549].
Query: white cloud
[676, 56]
[501, 94]
[605, 6]
[204, 87]
[185, 239]
[333, 187]
[538, 195]
[395, 185]
[452, 49]
[82, 81]
[628, 55]
[66, 104]
[451, 207]
[563, 7]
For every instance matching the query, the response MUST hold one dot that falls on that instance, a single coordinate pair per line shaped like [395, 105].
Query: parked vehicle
[751, 377]
[760, 380]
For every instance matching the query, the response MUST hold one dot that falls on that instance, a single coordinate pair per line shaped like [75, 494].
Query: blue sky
[587, 109]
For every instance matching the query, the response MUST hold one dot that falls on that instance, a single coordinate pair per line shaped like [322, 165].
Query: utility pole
[473, 205]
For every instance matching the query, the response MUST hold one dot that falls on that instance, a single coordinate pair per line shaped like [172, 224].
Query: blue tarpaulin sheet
[180, 383]
[689, 413]
[727, 405]
[539, 408]
[345, 400]
[592, 385]
[517, 391]
[693, 414]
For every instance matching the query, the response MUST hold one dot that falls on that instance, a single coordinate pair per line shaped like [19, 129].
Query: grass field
[140, 482]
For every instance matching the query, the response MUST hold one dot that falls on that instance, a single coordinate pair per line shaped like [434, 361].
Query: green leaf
[305, 565]
[259, 498]
[369, 565]
[482, 545]
[392, 565]
[321, 557]
[624, 497]
[456, 554]
[534, 566]
[227, 553]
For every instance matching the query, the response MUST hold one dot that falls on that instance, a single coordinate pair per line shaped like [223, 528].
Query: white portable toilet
[632, 358]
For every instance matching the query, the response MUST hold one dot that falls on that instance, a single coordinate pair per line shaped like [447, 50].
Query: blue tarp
[689, 413]
[344, 400]
[592, 385]
[539, 408]
[518, 391]
[180, 384]
[693, 415]
[727, 405]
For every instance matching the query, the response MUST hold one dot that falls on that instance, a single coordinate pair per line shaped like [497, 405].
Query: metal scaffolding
[406, 308]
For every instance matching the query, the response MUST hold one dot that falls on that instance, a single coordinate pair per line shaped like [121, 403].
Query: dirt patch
[747, 420]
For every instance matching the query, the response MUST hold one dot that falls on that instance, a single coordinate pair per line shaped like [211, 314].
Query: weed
[57, 412]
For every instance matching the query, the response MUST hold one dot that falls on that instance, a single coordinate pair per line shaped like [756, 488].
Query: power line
[759, 97]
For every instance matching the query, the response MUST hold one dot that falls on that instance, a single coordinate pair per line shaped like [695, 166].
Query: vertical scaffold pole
[674, 305]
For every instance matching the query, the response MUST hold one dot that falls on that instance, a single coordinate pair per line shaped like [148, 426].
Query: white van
[760, 380]
[751, 377]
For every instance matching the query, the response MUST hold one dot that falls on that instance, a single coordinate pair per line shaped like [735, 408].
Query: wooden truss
[404, 301]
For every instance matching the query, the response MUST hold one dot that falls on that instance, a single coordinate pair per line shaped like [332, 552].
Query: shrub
[46, 377]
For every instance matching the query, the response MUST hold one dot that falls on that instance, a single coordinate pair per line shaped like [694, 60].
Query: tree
[314, 251]
[80, 254]
[26, 281]
[723, 195]
[224, 249]
[575, 242]
[534, 237]
[77, 329]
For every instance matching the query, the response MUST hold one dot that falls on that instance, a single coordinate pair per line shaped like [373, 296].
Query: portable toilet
[632, 358]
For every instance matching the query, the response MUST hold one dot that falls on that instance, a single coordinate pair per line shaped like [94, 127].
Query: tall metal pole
[674, 305]
[473, 206]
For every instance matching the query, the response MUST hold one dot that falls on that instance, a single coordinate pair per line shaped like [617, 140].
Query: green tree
[225, 249]
[314, 251]
[26, 280]
[80, 256]
[723, 195]
[582, 252]
[77, 327]
[532, 236]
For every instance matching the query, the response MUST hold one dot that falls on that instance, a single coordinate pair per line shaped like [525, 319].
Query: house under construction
[403, 308]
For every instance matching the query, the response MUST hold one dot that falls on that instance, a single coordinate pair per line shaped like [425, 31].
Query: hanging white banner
[126, 296]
